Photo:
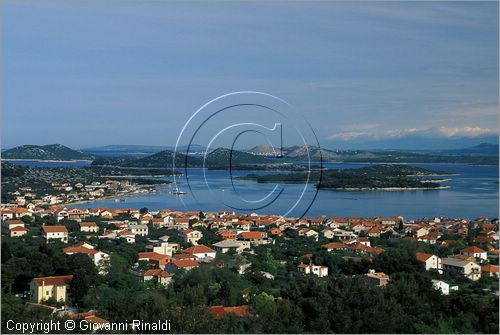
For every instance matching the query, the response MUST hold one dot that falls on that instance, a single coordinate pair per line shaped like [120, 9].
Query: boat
[177, 191]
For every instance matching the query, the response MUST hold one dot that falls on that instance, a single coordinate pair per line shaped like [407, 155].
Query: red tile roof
[422, 257]
[199, 249]
[472, 250]
[80, 249]
[489, 268]
[54, 229]
[156, 273]
[251, 235]
[53, 280]
[219, 311]
[18, 228]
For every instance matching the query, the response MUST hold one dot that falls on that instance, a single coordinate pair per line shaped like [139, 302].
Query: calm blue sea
[473, 192]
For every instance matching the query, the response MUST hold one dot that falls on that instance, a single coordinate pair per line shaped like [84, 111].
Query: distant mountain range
[138, 150]
[480, 149]
[484, 153]
[46, 152]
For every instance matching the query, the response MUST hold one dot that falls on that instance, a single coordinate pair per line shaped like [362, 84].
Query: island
[390, 177]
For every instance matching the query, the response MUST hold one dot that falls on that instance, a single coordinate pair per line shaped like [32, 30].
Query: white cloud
[466, 132]
[441, 132]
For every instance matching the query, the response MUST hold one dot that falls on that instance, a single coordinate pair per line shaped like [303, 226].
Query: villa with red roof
[18, 231]
[430, 261]
[186, 264]
[45, 288]
[55, 233]
[158, 276]
[201, 252]
[490, 270]
[475, 252]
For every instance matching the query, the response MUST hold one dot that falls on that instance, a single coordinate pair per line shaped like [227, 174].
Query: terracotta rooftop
[54, 229]
[53, 280]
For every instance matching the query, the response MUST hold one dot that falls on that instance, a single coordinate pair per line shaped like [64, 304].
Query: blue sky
[363, 74]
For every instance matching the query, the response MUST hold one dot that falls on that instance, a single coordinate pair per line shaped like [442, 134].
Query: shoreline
[48, 160]
[109, 197]
[385, 189]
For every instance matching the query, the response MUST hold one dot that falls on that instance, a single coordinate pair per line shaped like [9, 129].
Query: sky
[364, 75]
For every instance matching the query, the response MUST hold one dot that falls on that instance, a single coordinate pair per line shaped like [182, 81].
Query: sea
[472, 192]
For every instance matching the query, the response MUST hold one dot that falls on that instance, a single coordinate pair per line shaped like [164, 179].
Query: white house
[55, 233]
[444, 287]
[191, 236]
[89, 227]
[226, 245]
[139, 229]
[431, 262]
[475, 252]
[466, 268]
[318, 270]
[201, 252]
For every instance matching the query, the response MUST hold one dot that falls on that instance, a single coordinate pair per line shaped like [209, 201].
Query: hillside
[46, 152]
[217, 158]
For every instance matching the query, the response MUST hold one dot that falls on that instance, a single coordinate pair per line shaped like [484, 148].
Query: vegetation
[342, 302]
[46, 152]
[371, 177]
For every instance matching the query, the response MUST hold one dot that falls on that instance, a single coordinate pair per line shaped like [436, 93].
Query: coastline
[387, 189]
[48, 160]
[112, 197]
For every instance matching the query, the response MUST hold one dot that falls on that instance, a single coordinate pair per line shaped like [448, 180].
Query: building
[139, 229]
[227, 245]
[9, 224]
[191, 236]
[490, 270]
[467, 268]
[475, 252]
[444, 287]
[186, 264]
[333, 246]
[18, 231]
[99, 258]
[307, 232]
[201, 252]
[89, 227]
[380, 279]
[54, 287]
[159, 276]
[318, 270]
[220, 311]
[55, 233]
[431, 262]
[254, 237]
[163, 248]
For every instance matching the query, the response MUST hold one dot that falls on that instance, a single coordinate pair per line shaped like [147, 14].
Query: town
[65, 260]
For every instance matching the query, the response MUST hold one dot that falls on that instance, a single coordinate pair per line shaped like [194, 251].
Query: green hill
[46, 152]
[217, 158]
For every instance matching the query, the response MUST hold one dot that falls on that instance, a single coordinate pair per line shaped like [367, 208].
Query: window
[47, 292]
